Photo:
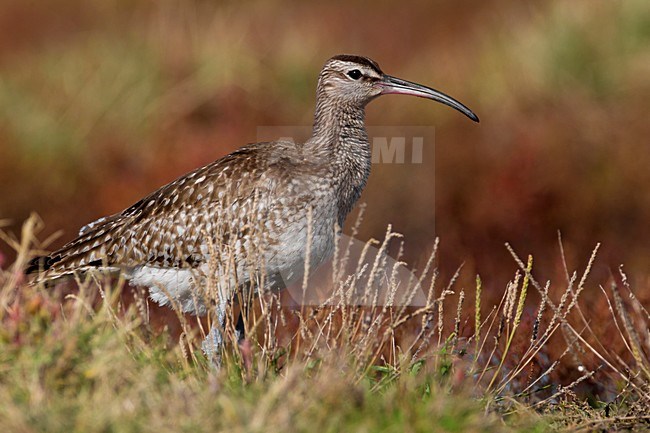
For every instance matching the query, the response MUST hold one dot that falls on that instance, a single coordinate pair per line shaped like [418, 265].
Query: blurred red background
[101, 102]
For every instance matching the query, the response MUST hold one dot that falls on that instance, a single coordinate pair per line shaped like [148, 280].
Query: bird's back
[255, 198]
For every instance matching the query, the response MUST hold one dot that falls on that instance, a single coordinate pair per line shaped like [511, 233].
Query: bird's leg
[244, 298]
[213, 343]
[240, 328]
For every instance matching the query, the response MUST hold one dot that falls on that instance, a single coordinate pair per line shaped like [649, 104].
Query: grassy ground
[72, 360]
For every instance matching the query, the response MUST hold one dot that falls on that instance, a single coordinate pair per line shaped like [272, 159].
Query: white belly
[163, 283]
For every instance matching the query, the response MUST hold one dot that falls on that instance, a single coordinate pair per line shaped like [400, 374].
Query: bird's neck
[340, 140]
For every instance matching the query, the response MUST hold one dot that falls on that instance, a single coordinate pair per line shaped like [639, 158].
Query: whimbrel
[268, 200]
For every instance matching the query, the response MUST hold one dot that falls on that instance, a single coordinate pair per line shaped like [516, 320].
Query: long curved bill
[398, 86]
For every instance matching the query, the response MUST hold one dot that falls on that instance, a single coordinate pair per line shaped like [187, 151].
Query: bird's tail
[84, 253]
[41, 270]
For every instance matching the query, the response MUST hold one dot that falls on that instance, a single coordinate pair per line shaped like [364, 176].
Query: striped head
[358, 80]
[350, 78]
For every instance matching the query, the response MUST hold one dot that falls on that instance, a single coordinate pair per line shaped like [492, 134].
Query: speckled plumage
[248, 208]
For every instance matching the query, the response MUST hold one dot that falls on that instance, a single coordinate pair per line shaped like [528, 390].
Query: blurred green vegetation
[101, 102]
[52, 102]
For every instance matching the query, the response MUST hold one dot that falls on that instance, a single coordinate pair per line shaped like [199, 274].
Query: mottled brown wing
[169, 226]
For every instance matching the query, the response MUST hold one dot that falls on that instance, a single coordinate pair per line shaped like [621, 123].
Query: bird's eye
[355, 74]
